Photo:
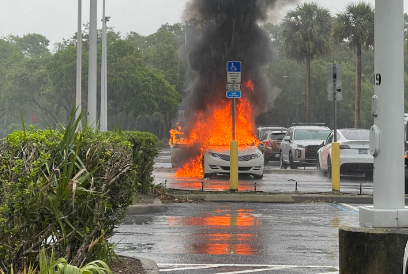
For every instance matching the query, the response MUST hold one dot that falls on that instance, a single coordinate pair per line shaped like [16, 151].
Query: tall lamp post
[104, 72]
[79, 65]
[92, 71]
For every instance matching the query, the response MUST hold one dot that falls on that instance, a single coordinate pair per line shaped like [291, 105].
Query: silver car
[300, 145]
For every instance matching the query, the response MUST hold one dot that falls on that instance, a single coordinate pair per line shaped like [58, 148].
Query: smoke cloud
[228, 30]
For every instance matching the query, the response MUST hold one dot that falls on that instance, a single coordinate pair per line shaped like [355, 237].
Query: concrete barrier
[371, 250]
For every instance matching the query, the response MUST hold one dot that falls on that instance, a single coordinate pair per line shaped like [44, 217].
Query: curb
[155, 207]
[279, 198]
[149, 266]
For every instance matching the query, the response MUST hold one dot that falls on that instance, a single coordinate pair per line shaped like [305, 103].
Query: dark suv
[271, 141]
[300, 145]
[263, 129]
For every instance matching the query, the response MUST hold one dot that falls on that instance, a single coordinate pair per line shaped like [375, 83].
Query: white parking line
[260, 268]
[354, 208]
[255, 270]
[192, 267]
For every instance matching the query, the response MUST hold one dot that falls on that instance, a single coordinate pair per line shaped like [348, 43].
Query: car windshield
[358, 134]
[311, 134]
[276, 136]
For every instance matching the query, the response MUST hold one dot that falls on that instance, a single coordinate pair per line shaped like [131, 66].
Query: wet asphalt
[230, 237]
[243, 237]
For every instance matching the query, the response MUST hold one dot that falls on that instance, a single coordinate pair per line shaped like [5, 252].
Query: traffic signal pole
[335, 164]
[334, 82]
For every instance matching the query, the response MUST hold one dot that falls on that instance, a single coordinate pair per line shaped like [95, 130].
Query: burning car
[216, 160]
[208, 123]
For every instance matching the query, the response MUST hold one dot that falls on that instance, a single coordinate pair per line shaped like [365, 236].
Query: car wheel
[319, 169]
[292, 164]
[282, 165]
[406, 179]
[329, 171]
[258, 176]
[369, 174]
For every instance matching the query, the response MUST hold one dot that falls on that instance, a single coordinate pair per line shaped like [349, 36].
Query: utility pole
[104, 72]
[78, 99]
[92, 70]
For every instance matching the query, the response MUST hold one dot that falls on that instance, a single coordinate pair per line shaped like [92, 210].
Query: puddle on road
[225, 241]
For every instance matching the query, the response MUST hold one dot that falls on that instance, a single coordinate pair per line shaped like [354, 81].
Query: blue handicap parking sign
[233, 94]
[233, 66]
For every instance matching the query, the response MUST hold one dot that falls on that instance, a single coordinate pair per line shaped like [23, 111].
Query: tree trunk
[307, 90]
[358, 89]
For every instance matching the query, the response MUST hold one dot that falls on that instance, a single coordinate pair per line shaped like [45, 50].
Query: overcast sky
[57, 19]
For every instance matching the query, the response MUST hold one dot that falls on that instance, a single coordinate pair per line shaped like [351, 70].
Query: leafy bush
[66, 190]
[144, 151]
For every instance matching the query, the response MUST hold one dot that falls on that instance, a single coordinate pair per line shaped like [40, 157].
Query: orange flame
[191, 169]
[214, 127]
[250, 85]
[175, 135]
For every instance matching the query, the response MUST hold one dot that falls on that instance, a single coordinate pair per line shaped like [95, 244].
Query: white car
[216, 160]
[355, 156]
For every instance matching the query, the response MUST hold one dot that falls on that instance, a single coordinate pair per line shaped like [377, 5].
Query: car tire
[406, 179]
[329, 171]
[319, 169]
[282, 165]
[258, 176]
[292, 164]
[369, 174]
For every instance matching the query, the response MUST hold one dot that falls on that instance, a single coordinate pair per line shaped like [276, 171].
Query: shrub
[65, 190]
[144, 151]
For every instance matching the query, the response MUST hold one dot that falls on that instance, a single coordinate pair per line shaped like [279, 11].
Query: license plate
[362, 151]
[277, 155]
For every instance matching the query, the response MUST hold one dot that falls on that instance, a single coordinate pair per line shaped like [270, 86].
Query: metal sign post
[233, 91]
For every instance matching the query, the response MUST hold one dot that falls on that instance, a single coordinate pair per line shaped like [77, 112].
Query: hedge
[66, 190]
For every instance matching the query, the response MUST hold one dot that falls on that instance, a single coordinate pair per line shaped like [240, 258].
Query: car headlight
[300, 146]
[213, 154]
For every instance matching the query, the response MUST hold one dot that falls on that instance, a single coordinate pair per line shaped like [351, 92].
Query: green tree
[306, 36]
[355, 26]
[31, 44]
[161, 51]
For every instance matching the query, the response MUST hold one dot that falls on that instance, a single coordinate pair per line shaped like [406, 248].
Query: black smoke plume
[228, 30]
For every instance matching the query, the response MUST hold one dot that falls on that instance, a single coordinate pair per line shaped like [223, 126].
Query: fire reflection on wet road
[290, 238]
[222, 243]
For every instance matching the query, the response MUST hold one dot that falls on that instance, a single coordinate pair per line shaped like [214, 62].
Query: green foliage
[307, 36]
[356, 27]
[61, 266]
[307, 32]
[144, 151]
[31, 44]
[65, 190]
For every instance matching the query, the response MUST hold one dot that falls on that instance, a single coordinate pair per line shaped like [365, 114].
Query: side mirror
[322, 144]
[287, 138]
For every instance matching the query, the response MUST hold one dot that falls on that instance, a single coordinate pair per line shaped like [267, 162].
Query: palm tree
[356, 26]
[306, 36]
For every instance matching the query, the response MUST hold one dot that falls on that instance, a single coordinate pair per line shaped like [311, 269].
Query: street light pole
[79, 65]
[92, 70]
[104, 70]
